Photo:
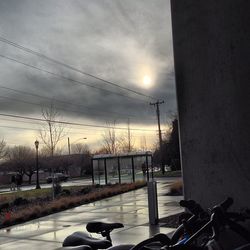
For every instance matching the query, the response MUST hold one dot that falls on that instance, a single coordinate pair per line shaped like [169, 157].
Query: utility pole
[159, 129]
[129, 136]
[69, 145]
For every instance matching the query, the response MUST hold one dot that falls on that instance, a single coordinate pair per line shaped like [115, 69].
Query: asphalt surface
[130, 208]
[79, 182]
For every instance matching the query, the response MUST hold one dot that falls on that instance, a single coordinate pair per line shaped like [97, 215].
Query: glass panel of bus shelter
[112, 170]
[126, 170]
[99, 171]
[140, 167]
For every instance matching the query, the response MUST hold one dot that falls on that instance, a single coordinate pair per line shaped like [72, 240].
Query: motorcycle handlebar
[227, 203]
[162, 238]
[192, 206]
[187, 203]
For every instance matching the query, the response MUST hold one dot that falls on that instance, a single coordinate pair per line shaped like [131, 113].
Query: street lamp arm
[84, 138]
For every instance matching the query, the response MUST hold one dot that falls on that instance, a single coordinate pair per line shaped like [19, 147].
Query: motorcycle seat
[81, 238]
[99, 227]
[83, 247]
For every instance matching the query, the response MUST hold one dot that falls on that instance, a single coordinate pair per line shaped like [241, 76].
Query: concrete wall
[212, 64]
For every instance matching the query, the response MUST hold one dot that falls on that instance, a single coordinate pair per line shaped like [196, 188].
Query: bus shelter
[121, 168]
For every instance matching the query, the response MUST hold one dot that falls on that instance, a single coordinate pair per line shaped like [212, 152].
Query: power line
[96, 130]
[69, 132]
[34, 129]
[72, 123]
[4, 40]
[66, 78]
[63, 109]
[64, 102]
[13, 120]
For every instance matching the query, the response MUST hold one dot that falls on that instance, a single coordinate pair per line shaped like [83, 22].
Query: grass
[22, 213]
[176, 173]
[27, 194]
[34, 193]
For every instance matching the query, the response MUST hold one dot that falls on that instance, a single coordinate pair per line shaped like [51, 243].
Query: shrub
[85, 190]
[66, 192]
[176, 188]
[20, 201]
[4, 206]
[35, 208]
[57, 189]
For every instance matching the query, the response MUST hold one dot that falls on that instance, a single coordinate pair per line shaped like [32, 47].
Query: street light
[84, 138]
[37, 170]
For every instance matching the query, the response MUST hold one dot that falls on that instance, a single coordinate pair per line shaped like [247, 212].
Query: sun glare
[147, 83]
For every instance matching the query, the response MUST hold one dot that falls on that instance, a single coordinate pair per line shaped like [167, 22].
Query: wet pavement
[130, 208]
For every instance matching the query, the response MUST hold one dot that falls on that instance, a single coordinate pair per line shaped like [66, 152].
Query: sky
[125, 42]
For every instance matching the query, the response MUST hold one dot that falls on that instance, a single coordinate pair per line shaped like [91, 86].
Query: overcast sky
[122, 41]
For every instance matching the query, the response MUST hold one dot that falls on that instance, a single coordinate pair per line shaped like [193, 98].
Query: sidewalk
[129, 208]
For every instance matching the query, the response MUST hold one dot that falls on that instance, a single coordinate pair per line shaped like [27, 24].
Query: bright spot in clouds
[147, 82]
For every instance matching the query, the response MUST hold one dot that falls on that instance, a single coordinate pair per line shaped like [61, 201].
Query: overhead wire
[68, 103]
[75, 81]
[73, 123]
[67, 78]
[36, 129]
[96, 130]
[28, 50]
[62, 109]
[68, 132]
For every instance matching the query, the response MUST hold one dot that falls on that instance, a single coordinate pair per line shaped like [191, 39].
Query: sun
[147, 82]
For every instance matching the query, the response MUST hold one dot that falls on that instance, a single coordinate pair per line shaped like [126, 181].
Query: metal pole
[37, 169]
[152, 169]
[92, 164]
[105, 169]
[159, 131]
[69, 145]
[119, 169]
[133, 168]
[147, 167]
[99, 177]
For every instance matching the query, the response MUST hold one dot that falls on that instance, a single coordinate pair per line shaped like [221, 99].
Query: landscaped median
[22, 206]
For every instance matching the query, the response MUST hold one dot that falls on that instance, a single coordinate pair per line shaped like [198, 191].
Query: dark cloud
[118, 40]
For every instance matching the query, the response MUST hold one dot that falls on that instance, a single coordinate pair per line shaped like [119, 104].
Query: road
[78, 182]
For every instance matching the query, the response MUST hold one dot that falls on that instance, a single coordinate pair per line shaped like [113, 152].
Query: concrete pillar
[212, 65]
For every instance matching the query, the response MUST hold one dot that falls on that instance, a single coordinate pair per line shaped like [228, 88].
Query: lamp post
[37, 170]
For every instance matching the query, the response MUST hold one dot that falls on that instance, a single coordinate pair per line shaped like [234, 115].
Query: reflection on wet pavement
[130, 208]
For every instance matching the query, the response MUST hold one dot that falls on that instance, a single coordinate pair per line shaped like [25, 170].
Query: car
[58, 177]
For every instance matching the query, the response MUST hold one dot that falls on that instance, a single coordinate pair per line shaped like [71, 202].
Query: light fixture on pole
[69, 146]
[37, 169]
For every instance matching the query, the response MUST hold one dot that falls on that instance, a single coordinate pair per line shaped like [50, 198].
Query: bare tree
[80, 148]
[22, 160]
[127, 141]
[144, 143]
[110, 141]
[101, 150]
[52, 132]
[3, 151]
[44, 152]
